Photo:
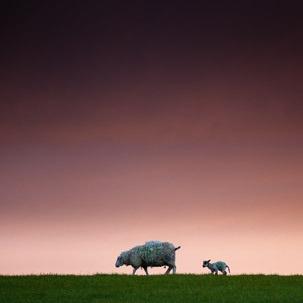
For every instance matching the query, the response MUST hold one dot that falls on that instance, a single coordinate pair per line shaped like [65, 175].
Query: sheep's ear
[208, 261]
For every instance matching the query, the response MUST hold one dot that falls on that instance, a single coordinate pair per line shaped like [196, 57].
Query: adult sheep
[152, 254]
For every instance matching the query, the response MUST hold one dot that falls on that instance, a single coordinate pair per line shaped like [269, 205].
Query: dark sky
[64, 61]
[143, 117]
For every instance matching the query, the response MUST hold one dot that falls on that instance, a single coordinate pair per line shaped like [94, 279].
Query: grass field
[158, 288]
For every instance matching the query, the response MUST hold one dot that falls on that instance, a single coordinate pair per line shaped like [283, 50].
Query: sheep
[152, 254]
[214, 267]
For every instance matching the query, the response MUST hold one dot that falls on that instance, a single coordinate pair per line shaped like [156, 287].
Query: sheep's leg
[145, 269]
[168, 270]
[216, 272]
[174, 269]
[134, 270]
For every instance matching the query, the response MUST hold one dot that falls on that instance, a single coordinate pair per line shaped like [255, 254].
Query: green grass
[158, 288]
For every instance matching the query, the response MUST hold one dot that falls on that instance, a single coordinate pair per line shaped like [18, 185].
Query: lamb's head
[121, 260]
[205, 263]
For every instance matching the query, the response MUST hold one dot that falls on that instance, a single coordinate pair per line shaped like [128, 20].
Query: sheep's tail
[228, 268]
[177, 248]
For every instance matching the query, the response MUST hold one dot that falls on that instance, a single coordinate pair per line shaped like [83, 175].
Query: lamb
[214, 267]
[152, 254]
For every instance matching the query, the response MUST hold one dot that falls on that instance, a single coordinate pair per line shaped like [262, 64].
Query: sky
[128, 121]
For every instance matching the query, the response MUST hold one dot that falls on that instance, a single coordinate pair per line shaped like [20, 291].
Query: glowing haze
[122, 124]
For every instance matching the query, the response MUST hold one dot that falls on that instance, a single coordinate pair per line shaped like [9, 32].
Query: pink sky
[73, 209]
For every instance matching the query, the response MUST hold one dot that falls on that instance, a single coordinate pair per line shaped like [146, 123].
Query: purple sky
[127, 122]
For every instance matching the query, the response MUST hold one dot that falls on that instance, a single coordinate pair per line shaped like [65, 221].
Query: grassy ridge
[169, 288]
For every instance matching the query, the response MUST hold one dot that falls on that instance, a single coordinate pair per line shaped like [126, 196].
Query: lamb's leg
[134, 270]
[145, 269]
[168, 270]
[224, 270]
[174, 269]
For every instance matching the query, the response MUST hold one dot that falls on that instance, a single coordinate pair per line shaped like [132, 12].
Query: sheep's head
[120, 260]
[205, 263]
